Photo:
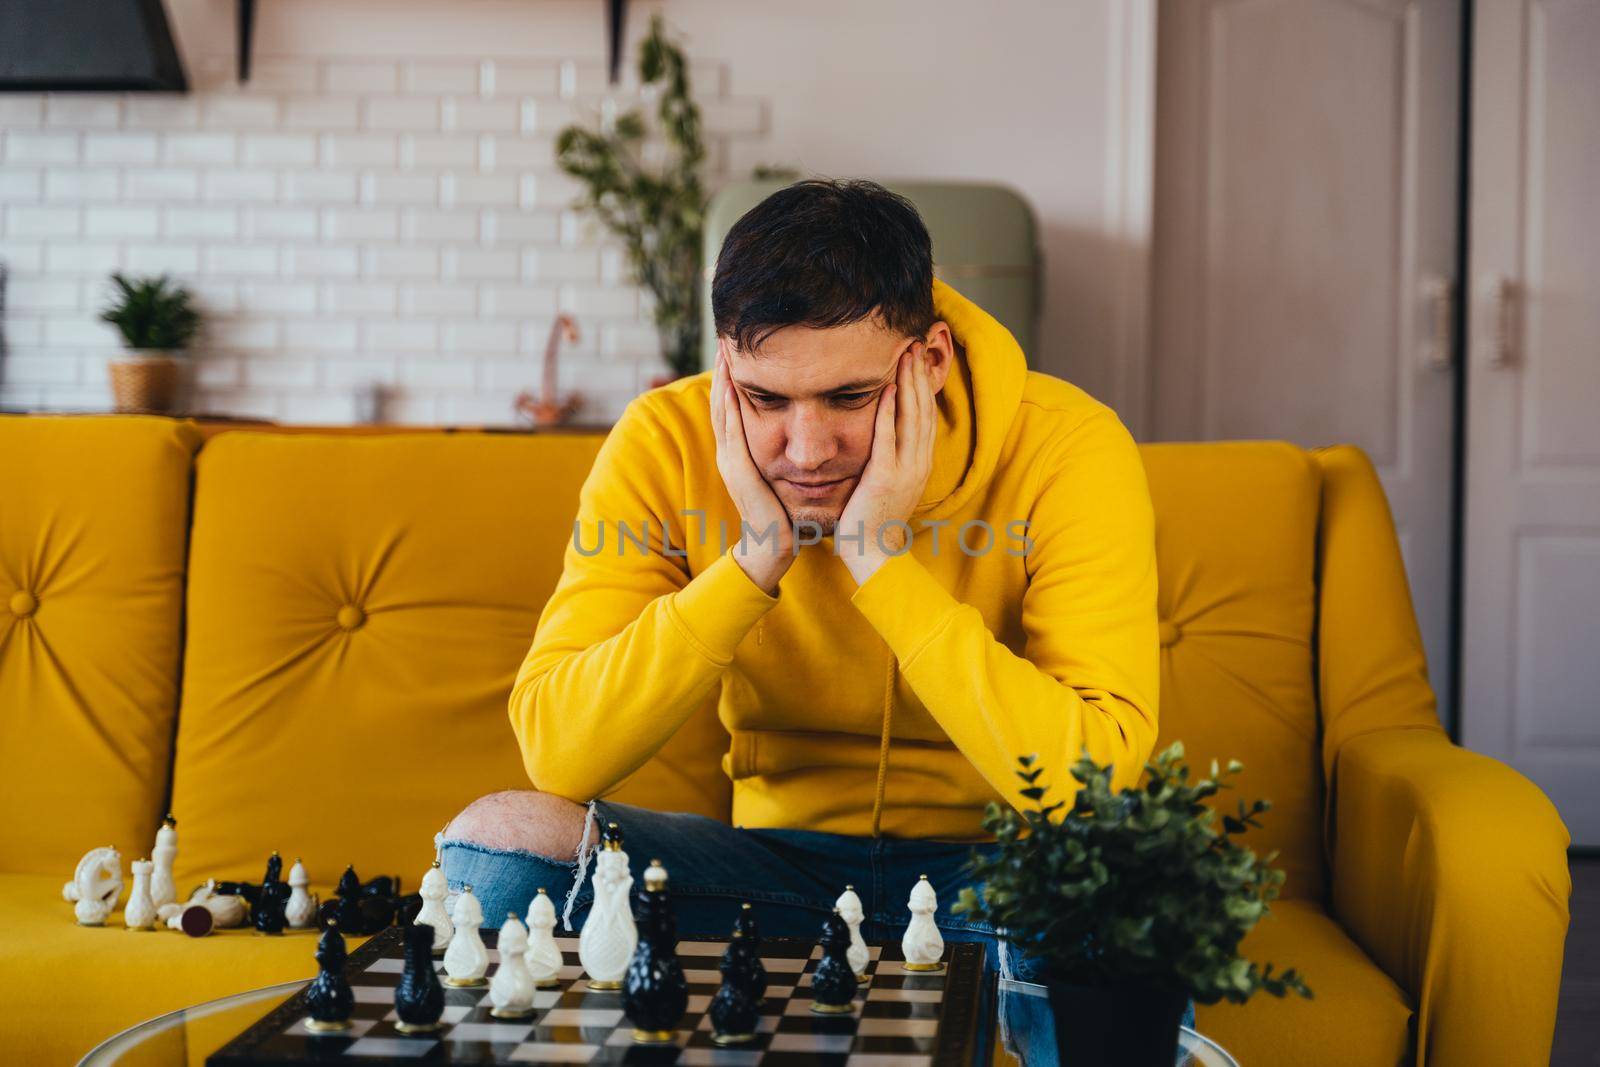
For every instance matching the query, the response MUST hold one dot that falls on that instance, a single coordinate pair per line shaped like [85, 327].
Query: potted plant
[1133, 901]
[156, 322]
[659, 213]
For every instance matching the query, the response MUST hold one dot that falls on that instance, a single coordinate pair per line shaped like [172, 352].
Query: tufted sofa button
[1169, 632]
[23, 603]
[351, 617]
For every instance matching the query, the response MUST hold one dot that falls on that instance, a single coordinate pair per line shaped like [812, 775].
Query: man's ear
[940, 345]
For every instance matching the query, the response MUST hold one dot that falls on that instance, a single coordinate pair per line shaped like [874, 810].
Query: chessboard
[901, 1018]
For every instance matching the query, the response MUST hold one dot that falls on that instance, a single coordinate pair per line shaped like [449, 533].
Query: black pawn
[655, 993]
[267, 915]
[347, 908]
[328, 998]
[736, 1009]
[833, 987]
[745, 926]
[419, 998]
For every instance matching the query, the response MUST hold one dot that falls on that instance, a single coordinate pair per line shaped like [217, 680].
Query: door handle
[1439, 296]
[1500, 304]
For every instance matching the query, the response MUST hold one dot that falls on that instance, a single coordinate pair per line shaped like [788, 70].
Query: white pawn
[140, 914]
[165, 853]
[300, 912]
[544, 955]
[466, 960]
[852, 913]
[96, 884]
[609, 935]
[511, 988]
[923, 945]
[434, 890]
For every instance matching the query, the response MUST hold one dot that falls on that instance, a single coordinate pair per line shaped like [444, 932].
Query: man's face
[809, 402]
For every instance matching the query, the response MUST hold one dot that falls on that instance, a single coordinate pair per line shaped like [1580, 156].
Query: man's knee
[525, 819]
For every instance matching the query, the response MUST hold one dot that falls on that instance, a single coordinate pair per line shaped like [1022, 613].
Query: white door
[1531, 638]
[1305, 243]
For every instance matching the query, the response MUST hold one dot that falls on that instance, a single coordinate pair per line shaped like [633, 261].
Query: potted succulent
[156, 322]
[659, 211]
[1134, 901]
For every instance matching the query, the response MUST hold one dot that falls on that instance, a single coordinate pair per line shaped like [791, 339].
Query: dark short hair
[822, 253]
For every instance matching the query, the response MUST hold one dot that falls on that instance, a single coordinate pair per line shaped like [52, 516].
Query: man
[892, 556]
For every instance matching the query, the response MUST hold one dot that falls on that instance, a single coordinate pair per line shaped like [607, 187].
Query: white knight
[466, 960]
[544, 955]
[95, 885]
[922, 944]
[609, 936]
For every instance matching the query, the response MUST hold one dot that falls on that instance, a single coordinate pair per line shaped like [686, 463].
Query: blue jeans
[790, 878]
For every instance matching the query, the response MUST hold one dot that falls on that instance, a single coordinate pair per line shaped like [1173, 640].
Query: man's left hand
[896, 473]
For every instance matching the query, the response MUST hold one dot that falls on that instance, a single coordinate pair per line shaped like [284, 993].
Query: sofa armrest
[1450, 870]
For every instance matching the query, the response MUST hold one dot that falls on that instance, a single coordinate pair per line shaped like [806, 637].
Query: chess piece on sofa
[163, 855]
[140, 913]
[301, 910]
[95, 885]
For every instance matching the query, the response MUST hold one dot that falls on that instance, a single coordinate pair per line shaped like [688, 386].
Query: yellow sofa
[304, 641]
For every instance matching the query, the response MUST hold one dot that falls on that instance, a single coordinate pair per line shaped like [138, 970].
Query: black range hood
[87, 45]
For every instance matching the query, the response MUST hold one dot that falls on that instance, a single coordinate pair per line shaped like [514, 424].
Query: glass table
[187, 1036]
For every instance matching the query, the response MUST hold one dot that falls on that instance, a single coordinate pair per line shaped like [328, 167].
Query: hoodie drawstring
[883, 744]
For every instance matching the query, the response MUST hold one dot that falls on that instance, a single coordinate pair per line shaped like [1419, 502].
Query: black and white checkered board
[902, 1018]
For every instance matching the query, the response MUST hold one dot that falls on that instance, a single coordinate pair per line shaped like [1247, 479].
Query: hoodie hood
[976, 406]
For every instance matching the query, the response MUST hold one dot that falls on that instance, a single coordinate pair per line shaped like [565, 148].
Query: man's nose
[812, 441]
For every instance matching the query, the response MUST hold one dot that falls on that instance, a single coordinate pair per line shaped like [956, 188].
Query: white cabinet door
[1531, 637]
[1305, 227]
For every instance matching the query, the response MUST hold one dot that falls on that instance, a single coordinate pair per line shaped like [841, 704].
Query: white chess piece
[95, 885]
[300, 912]
[922, 944]
[544, 955]
[850, 910]
[609, 935]
[140, 913]
[163, 855]
[511, 988]
[226, 909]
[434, 890]
[466, 960]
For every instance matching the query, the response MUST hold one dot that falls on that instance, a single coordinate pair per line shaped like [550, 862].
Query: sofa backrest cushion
[1236, 536]
[94, 512]
[358, 607]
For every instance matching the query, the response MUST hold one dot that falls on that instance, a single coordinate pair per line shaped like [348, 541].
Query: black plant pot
[1127, 1025]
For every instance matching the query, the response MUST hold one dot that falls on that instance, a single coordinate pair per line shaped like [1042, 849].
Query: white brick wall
[343, 223]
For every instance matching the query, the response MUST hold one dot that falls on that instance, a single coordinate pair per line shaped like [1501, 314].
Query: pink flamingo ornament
[547, 410]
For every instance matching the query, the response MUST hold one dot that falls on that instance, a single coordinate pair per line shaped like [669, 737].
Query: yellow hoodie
[896, 707]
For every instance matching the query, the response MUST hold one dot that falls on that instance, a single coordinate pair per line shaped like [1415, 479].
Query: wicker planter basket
[146, 382]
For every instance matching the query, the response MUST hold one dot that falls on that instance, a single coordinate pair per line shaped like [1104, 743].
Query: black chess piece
[407, 909]
[346, 907]
[271, 899]
[655, 992]
[745, 926]
[736, 1009]
[329, 999]
[419, 998]
[833, 986]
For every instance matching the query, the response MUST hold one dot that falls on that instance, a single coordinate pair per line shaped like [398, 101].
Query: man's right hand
[765, 561]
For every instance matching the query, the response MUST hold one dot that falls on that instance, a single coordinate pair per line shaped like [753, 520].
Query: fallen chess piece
[163, 855]
[300, 912]
[434, 913]
[95, 886]
[365, 908]
[140, 913]
[419, 998]
[655, 993]
[466, 960]
[851, 911]
[329, 998]
[511, 990]
[833, 986]
[609, 936]
[736, 1008]
[196, 920]
[922, 943]
[228, 910]
[544, 955]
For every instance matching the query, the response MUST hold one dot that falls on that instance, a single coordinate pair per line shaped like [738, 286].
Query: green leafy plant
[151, 313]
[1136, 886]
[659, 213]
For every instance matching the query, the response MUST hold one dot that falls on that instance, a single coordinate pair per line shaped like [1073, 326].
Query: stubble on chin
[824, 519]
